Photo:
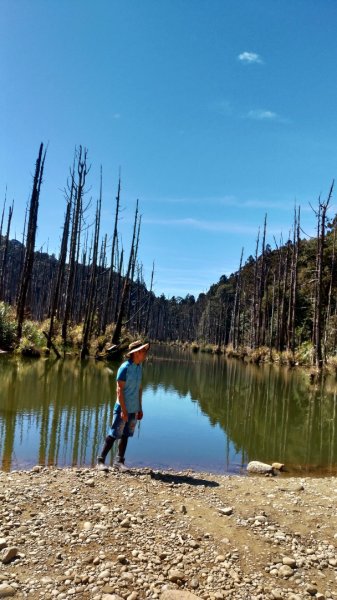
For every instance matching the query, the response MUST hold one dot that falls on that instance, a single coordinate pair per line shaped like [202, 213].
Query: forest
[281, 303]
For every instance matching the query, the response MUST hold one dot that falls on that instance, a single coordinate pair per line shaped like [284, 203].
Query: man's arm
[121, 399]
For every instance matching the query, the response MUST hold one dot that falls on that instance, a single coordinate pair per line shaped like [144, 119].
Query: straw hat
[136, 346]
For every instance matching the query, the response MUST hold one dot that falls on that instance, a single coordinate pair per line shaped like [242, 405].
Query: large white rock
[255, 466]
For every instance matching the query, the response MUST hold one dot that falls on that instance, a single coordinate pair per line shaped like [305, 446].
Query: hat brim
[142, 347]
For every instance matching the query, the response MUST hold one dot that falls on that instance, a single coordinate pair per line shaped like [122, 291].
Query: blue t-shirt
[132, 375]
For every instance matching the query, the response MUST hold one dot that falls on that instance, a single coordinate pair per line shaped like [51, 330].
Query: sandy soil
[90, 534]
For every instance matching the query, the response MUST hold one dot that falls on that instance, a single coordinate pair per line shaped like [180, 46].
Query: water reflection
[200, 411]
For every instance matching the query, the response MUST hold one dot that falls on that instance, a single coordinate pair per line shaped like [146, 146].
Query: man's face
[139, 356]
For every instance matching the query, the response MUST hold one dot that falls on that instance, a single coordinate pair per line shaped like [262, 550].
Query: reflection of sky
[59, 414]
[175, 433]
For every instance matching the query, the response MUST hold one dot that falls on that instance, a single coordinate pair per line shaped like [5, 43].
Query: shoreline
[79, 532]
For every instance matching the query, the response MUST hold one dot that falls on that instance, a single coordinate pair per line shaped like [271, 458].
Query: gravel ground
[147, 534]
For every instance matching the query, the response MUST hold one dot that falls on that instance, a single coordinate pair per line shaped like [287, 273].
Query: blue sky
[216, 111]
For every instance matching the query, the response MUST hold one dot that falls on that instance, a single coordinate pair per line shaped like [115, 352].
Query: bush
[33, 335]
[7, 327]
[75, 335]
[260, 355]
[304, 354]
[27, 348]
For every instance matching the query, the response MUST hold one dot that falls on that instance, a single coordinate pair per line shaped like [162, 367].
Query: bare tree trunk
[132, 271]
[261, 287]
[60, 274]
[107, 305]
[89, 313]
[77, 190]
[149, 304]
[5, 254]
[31, 235]
[119, 285]
[323, 207]
[235, 320]
[254, 307]
[328, 309]
[118, 327]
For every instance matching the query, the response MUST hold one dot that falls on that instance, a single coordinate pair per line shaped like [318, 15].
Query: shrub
[261, 354]
[305, 354]
[27, 348]
[332, 364]
[7, 327]
[287, 358]
[33, 335]
[75, 335]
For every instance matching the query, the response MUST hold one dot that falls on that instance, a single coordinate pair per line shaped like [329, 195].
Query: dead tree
[132, 271]
[4, 254]
[260, 332]
[254, 298]
[331, 283]
[118, 327]
[60, 274]
[149, 303]
[234, 334]
[89, 312]
[108, 298]
[78, 192]
[319, 317]
[31, 235]
[293, 282]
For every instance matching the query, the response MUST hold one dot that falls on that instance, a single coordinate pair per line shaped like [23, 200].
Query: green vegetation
[7, 327]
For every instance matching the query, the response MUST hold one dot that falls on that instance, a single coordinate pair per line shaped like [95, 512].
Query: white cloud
[266, 115]
[262, 115]
[203, 225]
[250, 58]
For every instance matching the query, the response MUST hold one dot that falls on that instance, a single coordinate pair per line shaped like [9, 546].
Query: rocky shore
[82, 533]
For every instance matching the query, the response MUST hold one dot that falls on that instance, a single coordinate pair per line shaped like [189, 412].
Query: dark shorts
[120, 427]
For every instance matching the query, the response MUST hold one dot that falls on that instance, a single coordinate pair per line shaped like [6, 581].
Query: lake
[203, 412]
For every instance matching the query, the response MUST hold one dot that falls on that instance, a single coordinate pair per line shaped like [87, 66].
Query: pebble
[285, 571]
[6, 591]
[9, 554]
[291, 562]
[226, 511]
[72, 544]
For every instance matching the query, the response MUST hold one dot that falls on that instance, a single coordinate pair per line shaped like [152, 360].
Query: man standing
[128, 407]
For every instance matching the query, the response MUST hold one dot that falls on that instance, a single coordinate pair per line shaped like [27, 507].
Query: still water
[201, 412]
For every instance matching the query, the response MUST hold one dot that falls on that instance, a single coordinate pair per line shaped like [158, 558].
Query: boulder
[255, 466]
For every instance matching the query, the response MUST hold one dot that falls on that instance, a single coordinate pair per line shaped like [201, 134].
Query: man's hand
[124, 415]
[139, 415]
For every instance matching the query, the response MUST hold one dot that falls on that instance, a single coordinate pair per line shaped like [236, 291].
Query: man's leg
[122, 448]
[109, 442]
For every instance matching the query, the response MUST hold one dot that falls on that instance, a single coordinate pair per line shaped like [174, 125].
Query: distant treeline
[281, 298]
